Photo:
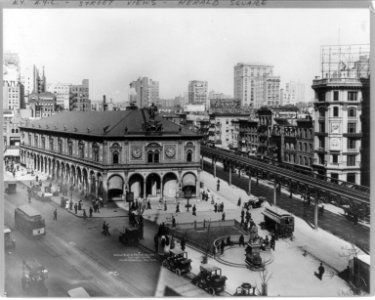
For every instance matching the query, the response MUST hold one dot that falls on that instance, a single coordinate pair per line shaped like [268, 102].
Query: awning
[12, 152]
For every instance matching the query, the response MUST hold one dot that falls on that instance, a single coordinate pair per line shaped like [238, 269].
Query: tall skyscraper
[13, 89]
[256, 86]
[342, 114]
[292, 93]
[147, 91]
[197, 92]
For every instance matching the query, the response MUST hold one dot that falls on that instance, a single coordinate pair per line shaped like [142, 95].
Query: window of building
[292, 159]
[321, 159]
[322, 113]
[305, 147]
[335, 111]
[153, 157]
[335, 95]
[335, 158]
[350, 161]
[81, 149]
[95, 152]
[351, 127]
[334, 177]
[189, 156]
[352, 96]
[322, 128]
[70, 147]
[351, 143]
[60, 146]
[115, 158]
[352, 112]
[350, 177]
[43, 143]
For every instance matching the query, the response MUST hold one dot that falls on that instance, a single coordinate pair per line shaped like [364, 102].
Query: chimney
[105, 105]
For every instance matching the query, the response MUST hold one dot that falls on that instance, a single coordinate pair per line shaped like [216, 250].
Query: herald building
[107, 154]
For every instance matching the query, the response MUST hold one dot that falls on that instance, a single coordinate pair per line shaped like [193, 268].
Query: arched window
[115, 158]
[60, 146]
[305, 147]
[287, 146]
[352, 112]
[286, 157]
[156, 157]
[51, 144]
[189, 156]
[291, 146]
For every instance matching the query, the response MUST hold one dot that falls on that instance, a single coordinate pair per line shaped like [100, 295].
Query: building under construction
[342, 114]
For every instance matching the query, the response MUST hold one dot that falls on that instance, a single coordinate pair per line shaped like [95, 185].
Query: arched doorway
[153, 185]
[115, 187]
[170, 185]
[85, 182]
[189, 184]
[100, 185]
[136, 185]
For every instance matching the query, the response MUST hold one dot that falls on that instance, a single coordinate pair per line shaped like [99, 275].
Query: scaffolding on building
[345, 61]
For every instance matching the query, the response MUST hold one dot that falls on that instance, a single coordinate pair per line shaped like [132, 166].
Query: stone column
[144, 188]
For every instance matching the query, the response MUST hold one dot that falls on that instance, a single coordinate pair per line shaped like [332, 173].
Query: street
[76, 253]
[337, 225]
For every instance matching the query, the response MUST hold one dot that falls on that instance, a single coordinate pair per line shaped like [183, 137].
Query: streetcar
[279, 221]
[29, 220]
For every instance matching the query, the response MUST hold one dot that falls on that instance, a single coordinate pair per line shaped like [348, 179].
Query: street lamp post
[187, 196]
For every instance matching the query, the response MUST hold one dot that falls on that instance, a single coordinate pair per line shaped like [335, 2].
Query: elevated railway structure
[355, 199]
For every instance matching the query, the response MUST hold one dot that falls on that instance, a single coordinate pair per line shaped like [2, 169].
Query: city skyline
[176, 46]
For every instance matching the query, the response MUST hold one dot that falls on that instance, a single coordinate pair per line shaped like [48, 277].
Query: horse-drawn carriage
[210, 279]
[177, 261]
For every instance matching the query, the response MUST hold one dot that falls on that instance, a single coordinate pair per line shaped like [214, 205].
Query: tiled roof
[106, 123]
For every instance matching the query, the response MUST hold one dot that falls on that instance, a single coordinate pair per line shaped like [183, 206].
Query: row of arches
[113, 186]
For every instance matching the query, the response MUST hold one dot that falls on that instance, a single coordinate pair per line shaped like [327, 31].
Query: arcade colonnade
[113, 184]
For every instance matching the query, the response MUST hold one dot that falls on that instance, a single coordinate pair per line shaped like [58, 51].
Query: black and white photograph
[186, 149]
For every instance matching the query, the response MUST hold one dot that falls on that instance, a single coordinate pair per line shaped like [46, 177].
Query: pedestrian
[165, 205]
[241, 240]
[70, 205]
[84, 214]
[194, 210]
[177, 207]
[80, 204]
[148, 204]
[107, 229]
[182, 244]
[222, 246]
[320, 272]
[242, 213]
[215, 207]
[55, 214]
[222, 206]
[218, 185]
[239, 202]
[75, 208]
[91, 211]
[223, 217]
[36, 179]
[273, 242]
[173, 222]
[104, 228]
[98, 205]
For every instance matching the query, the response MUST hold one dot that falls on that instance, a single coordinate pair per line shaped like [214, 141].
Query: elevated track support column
[214, 165]
[230, 175]
[316, 212]
[290, 189]
[275, 192]
[249, 190]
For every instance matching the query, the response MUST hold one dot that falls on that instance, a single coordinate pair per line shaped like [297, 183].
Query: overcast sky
[115, 46]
